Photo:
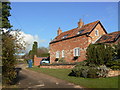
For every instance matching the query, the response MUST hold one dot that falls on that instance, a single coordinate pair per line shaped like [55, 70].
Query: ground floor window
[57, 54]
[63, 54]
[76, 51]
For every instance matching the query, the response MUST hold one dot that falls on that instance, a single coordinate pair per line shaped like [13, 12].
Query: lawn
[111, 82]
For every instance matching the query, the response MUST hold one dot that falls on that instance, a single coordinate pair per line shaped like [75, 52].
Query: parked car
[44, 60]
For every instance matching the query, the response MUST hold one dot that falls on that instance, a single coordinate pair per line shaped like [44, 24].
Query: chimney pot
[59, 31]
[80, 23]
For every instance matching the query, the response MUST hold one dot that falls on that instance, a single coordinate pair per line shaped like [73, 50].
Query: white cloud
[29, 40]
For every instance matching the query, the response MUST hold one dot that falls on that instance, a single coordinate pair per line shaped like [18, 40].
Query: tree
[43, 52]
[100, 54]
[8, 58]
[11, 46]
[5, 14]
[34, 50]
[117, 51]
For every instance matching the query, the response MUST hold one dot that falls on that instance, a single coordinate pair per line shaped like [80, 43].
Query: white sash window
[76, 51]
[63, 53]
[96, 33]
[57, 54]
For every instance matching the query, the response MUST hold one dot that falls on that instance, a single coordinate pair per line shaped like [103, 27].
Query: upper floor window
[76, 51]
[63, 53]
[79, 32]
[64, 36]
[57, 54]
[96, 33]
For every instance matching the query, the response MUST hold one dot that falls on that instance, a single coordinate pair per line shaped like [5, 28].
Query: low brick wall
[59, 66]
[113, 73]
[110, 73]
[37, 60]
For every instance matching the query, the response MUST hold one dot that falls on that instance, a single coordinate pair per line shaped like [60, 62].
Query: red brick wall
[68, 45]
[37, 60]
[92, 34]
[59, 67]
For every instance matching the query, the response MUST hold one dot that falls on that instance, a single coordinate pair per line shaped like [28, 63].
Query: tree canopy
[10, 46]
[5, 14]
[34, 50]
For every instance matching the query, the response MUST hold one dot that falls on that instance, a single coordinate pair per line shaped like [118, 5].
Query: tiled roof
[71, 33]
[111, 37]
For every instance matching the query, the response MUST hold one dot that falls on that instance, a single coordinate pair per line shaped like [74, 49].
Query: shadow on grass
[72, 73]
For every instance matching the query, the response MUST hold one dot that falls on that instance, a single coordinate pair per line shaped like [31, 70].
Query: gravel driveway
[31, 79]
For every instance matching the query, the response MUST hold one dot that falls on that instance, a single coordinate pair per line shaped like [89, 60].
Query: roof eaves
[68, 38]
[94, 26]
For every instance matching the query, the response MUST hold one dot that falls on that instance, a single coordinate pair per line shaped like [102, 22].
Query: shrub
[77, 71]
[114, 64]
[83, 69]
[102, 71]
[92, 72]
[99, 54]
[85, 72]
[117, 50]
[80, 69]
[115, 67]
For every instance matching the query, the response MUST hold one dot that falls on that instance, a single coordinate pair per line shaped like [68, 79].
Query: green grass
[111, 82]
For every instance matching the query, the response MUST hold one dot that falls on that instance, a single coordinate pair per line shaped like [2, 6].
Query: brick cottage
[111, 38]
[71, 45]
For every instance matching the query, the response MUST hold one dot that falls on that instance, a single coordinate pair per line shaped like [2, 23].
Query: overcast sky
[39, 21]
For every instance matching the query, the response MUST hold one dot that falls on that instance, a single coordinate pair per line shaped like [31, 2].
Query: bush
[77, 71]
[115, 67]
[83, 69]
[99, 54]
[92, 73]
[98, 57]
[114, 64]
[85, 72]
[80, 69]
[102, 71]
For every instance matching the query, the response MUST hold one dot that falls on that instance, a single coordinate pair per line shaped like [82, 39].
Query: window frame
[76, 51]
[96, 33]
[63, 53]
[80, 32]
[58, 54]
[65, 36]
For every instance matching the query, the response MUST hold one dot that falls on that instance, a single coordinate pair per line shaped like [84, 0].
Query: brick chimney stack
[80, 23]
[59, 31]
